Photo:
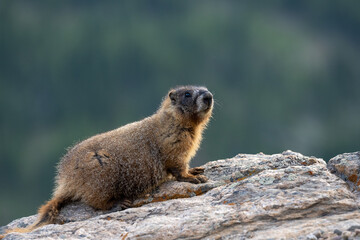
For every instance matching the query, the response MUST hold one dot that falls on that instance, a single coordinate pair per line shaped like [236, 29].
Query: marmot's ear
[172, 96]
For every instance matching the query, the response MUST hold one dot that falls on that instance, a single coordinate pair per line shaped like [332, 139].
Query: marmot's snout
[204, 101]
[207, 98]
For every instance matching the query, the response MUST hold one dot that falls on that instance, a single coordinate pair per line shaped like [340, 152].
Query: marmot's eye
[187, 94]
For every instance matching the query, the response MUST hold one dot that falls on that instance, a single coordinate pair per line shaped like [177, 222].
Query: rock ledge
[259, 196]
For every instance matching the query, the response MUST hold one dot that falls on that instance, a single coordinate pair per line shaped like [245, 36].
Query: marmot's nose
[207, 98]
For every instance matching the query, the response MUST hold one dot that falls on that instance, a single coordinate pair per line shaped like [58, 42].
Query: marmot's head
[190, 103]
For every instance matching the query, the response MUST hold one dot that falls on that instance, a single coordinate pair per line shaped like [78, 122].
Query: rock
[347, 167]
[259, 196]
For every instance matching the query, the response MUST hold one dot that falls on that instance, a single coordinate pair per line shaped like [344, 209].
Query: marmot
[125, 163]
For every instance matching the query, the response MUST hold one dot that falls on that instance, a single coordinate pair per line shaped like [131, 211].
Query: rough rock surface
[280, 196]
[347, 166]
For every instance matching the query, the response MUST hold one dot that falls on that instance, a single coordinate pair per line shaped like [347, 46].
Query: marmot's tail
[48, 214]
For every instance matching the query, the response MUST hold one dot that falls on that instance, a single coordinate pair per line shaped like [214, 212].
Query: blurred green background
[285, 75]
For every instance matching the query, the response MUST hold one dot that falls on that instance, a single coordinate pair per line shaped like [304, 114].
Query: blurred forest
[285, 75]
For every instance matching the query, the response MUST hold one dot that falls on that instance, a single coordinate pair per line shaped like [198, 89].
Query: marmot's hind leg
[124, 204]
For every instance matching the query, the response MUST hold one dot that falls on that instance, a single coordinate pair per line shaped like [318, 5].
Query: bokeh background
[285, 75]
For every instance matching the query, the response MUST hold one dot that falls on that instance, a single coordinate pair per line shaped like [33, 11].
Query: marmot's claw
[196, 170]
[202, 178]
[195, 180]
[191, 179]
[125, 204]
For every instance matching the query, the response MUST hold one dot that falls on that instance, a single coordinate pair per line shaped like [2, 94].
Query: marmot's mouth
[207, 108]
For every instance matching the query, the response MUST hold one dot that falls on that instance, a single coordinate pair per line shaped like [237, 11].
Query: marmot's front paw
[201, 178]
[196, 170]
[193, 179]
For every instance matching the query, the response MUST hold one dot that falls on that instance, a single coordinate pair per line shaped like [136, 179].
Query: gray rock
[280, 196]
[347, 167]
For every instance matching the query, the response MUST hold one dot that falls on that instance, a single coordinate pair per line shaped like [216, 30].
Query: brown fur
[128, 162]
